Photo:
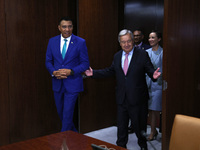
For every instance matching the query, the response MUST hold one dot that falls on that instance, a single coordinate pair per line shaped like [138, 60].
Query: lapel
[57, 47]
[70, 50]
[119, 60]
[133, 60]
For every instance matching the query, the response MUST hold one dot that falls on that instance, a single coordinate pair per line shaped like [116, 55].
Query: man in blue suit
[66, 59]
[130, 66]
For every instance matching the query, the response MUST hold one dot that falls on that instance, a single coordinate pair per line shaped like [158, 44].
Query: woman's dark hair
[158, 34]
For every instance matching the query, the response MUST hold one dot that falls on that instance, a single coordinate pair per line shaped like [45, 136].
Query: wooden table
[74, 141]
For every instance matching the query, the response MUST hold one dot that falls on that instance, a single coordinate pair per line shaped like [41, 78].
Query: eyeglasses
[124, 42]
[137, 35]
[69, 27]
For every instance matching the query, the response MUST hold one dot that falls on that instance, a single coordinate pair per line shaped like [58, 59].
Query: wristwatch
[72, 72]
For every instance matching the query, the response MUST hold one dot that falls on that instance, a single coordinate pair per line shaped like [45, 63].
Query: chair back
[185, 133]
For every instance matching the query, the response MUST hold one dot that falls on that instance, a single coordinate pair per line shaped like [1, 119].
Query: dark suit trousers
[65, 103]
[138, 116]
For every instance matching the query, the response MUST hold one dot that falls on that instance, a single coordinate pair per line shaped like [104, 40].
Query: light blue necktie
[64, 48]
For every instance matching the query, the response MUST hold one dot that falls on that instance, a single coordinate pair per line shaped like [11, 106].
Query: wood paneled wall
[181, 62]
[4, 95]
[27, 106]
[98, 24]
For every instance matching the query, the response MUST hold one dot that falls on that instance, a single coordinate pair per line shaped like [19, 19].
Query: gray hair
[124, 32]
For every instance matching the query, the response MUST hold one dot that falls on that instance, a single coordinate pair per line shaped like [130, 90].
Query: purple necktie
[126, 64]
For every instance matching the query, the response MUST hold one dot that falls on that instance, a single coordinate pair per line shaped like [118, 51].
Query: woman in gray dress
[155, 88]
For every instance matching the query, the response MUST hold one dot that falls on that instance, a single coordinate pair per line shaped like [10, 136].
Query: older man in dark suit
[130, 67]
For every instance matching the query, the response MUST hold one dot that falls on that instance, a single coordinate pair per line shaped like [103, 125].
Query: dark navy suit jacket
[133, 84]
[76, 59]
[144, 46]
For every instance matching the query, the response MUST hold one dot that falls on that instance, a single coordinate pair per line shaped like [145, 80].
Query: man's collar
[68, 39]
[129, 52]
[139, 45]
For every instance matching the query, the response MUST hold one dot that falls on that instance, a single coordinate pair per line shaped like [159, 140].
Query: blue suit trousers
[65, 104]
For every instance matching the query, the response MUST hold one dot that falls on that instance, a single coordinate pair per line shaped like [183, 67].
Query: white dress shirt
[62, 41]
[129, 57]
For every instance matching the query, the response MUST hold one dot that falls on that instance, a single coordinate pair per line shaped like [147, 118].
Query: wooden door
[98, 24]
[181, 62]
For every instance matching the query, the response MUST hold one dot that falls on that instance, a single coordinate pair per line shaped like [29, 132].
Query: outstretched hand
[156, 74]
[89, 72]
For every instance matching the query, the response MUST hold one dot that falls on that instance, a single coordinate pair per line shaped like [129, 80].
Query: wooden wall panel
[181, 62]
[144, 14]
[26, 27]
[4, 94]
[31, 106]
[98, 24]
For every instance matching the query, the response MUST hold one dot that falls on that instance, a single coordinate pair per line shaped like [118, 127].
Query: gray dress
[155, 88]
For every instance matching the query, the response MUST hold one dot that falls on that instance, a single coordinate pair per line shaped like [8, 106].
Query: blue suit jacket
[76, 59]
